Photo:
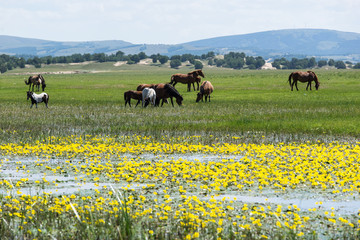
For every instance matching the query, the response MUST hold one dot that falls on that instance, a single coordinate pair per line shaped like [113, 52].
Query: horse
[37, 98]
[137, 95]
[304, 77]
[148, 95]
[36, 80]
[164, 91]
[206, 89]
[188, 79]
[142, 86]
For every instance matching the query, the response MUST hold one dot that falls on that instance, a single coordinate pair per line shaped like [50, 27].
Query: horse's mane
[172, 91]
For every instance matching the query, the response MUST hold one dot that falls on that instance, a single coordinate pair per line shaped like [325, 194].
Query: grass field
[257, 162]
[243, 103]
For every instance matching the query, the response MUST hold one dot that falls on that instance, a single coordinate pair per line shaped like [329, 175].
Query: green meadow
[88, 99]
[257, 162]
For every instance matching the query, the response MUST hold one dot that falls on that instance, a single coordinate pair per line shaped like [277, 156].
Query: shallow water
[63, 184]
[341, 207]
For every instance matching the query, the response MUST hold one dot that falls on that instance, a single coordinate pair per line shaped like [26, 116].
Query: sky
[169, 21]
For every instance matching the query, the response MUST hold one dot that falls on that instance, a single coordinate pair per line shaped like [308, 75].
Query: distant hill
[292, 42]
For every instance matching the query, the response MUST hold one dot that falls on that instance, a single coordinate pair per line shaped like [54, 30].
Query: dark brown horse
[164, 91]
[137, 95]
[188, 79]
[36, 80]
[304, 77]
[206, 89]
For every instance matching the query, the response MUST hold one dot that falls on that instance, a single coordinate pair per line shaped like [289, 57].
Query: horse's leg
[193, 85]
[296, 86]
[137, 103]
[197, 85]
[172, 103]
[310, 85]
[189, 87]
[209, 98]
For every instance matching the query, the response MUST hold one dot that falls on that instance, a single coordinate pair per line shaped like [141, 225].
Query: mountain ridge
[320, 43]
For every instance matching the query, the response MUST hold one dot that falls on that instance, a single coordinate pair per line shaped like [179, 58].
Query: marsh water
[67, 184]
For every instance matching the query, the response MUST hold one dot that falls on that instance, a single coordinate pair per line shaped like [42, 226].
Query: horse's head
[199, 71]
[317, 85]
[28, 94]
[179, 100]
[43, 86]
[199, 96]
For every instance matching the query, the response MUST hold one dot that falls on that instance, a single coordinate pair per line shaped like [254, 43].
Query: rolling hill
[278, 43]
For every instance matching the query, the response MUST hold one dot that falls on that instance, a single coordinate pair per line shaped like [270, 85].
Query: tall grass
[255, 102]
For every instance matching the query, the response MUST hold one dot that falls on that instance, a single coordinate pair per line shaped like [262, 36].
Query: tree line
[304, 63]
[233, 60]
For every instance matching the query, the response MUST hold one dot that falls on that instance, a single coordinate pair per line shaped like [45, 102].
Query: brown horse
[142, 86]
[164, 91]
[137, 95]
[188, 79]
[206, 89]
[36, 80]
[304, 77]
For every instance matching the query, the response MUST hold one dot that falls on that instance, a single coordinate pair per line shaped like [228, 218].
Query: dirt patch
[120, 63]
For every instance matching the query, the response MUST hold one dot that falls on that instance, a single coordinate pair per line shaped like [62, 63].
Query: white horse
[148, 95]
[37, 98]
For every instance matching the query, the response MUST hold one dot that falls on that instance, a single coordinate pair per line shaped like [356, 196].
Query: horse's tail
[290, 78]
[28, 82]
[172, 80]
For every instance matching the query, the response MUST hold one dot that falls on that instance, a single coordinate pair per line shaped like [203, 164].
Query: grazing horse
[142, 86]
[36, 80]
[164, 91]
[37, 98]
[148, 96]
[188, 79]
[206, 89]
[304, 77]
[137, 95]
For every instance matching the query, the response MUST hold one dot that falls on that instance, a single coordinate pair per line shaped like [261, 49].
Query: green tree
[163, 59]
[198, 65]
[312, 62]
[322, 63]
[142, 55]
[357, 66]
[331, 62]
[259, 62]
[340, 65]
[175, 63]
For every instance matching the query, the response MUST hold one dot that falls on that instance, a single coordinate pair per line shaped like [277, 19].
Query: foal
[37, 98]
[206, 89]
[137, 95]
